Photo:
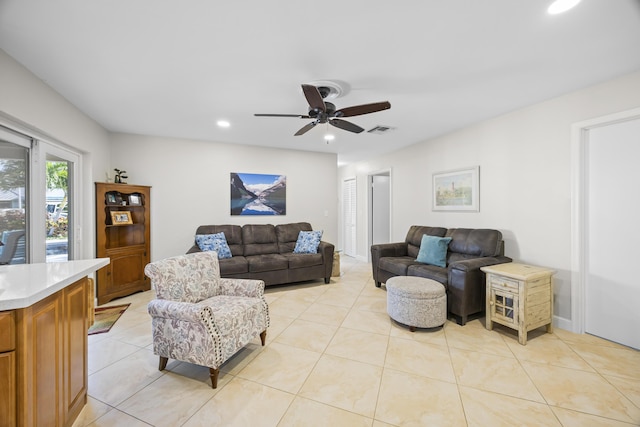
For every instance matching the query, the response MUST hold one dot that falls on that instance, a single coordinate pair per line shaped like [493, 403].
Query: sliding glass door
[37, 200]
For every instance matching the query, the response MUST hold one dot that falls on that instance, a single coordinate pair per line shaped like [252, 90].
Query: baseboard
[563, 323]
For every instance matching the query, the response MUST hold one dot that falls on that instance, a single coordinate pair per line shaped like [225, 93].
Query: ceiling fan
[325, 112]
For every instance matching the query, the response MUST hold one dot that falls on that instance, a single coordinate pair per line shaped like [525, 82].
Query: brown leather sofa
[265, 252]
[462, 278]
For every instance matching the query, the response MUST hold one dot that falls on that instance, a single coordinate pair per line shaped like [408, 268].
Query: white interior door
[349, 216]
[380, 208]
[612, 288]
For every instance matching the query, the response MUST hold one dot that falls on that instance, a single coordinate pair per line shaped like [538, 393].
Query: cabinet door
[504, 306]
[40, 374]
[8, 389]
[124, 275]
[75, 345]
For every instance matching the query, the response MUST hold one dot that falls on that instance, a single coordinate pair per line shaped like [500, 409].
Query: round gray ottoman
[416, 302]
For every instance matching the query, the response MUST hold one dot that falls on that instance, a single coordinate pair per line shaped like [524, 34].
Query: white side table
[520, 297]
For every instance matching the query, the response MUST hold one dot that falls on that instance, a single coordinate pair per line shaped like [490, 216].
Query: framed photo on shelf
[111, 199]
[457, 190]
[121, 218]
[135, 200]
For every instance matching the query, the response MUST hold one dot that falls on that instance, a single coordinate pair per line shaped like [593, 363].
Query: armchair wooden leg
[263, 337]
[213, 373]
[163, 363]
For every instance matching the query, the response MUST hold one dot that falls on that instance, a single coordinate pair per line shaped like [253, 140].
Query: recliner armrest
[241, 287]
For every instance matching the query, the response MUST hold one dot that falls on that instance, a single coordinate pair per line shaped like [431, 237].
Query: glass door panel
[58, 212]
[14, 160]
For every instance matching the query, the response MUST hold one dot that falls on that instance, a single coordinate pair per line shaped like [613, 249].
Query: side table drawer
[500, 282]
[7, 331]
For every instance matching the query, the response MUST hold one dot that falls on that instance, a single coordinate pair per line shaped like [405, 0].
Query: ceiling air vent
[380, 129]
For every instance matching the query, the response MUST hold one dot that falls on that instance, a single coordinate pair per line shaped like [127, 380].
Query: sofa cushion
[308, 242]
[396, 265]
[428, 271]
[214, 242]
[287, 235]
[235, 265]
[433, 250]
[233, 234]
[303, 260]
[267, 262]
[414, 237]
[475, 242]
[259, 239]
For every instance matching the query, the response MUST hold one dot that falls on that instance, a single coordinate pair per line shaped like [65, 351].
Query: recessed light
[223, 123]
[560, 6]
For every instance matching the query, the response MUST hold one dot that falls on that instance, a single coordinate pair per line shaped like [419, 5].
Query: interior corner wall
[190, 183]
[29, 105]
[525, 178]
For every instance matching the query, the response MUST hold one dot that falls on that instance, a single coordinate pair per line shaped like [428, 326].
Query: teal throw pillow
[433, 250]
[214, 242]
[308, 242]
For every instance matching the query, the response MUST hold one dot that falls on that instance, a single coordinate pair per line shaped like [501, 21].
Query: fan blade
[358, 110]
[314, 98]
[306, 128]
[282, 115]
[345, 125]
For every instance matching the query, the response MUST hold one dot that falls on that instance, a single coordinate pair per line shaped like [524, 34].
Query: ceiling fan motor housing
[323, 116]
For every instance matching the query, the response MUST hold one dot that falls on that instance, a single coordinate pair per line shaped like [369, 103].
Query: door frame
[342, 216]
[382, 172]
[579, 190]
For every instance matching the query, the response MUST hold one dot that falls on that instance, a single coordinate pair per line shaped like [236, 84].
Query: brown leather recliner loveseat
[265, 252]
[462, 278]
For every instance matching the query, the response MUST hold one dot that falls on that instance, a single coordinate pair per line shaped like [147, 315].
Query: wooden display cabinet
[122, 234]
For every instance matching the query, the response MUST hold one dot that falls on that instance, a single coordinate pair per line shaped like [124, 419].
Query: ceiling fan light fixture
[329, 137]
[560, 6]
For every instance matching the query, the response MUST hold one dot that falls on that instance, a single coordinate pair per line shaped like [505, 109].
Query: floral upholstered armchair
[199, 317]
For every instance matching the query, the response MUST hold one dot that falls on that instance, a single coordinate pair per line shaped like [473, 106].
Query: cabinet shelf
[126, 244]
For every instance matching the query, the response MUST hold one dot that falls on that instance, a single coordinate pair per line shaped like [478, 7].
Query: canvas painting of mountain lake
[258, 194]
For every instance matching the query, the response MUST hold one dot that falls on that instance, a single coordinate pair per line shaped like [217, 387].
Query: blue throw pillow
[433, 250]
[214, 242]
[308, 242]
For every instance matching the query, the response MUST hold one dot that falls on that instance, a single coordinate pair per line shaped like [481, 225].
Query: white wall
[190, 185]
[525, 178]
[30, 105]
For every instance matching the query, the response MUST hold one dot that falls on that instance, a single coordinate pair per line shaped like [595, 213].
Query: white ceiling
[169, 68]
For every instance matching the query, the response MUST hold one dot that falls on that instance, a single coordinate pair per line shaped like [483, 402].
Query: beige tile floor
[334, 358]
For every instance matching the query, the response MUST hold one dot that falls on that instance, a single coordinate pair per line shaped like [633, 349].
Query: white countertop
[22, 285]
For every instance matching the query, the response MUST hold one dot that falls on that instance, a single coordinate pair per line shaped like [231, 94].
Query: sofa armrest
[241, 287]
[385, 250]
[327, 249]
[194, 248]
[466, 285]
[388, 249]
[476, 263]
[177, 310]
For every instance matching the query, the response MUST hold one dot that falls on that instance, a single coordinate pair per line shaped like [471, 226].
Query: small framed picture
[135, 200]
[111, 199]
[121, 218]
